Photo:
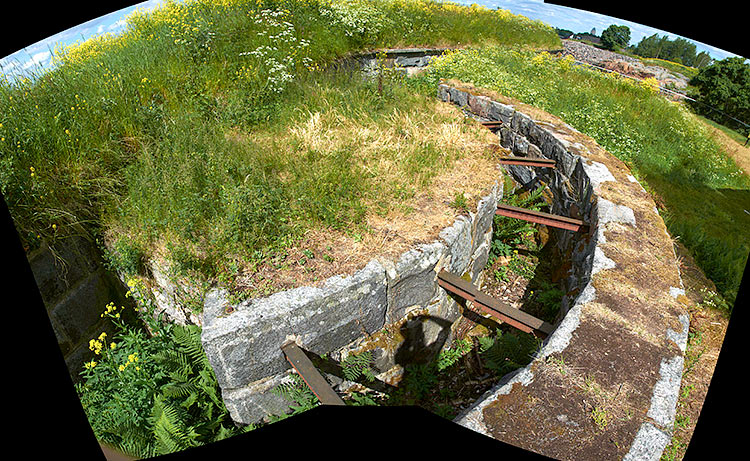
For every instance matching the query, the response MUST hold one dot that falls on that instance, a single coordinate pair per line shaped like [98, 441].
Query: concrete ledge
[605, 383]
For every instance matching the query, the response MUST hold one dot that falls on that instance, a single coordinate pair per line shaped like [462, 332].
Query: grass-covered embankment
[702, 192]
[132, 137]
[213, 131]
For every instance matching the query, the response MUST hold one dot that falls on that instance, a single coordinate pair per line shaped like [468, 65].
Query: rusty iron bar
[496, 308]
[527, 161]
[310, 375]
[539, 217]
[492, 125]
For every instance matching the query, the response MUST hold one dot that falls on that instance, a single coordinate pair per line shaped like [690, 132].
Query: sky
[38, 55]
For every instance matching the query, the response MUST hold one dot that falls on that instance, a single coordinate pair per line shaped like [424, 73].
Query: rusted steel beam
[527, 161]
[492, 125]
[496, 308]
[312, 377]
[538, 217]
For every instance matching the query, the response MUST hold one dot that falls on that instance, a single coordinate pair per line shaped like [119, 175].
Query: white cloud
[116, 25]
[6, 66]
[36, 59]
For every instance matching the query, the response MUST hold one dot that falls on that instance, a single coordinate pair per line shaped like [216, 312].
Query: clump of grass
[663, 143]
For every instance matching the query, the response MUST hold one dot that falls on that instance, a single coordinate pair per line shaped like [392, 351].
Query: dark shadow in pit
[332, 367]
[544, 291]
[414, 348]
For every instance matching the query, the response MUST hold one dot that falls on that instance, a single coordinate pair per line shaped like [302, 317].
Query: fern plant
[153, 395]
[507, 351]
[359, 365]
[509, 233]
[450, 356]
[296, 391]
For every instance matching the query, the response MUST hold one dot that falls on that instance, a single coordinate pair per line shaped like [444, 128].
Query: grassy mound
[174, 133]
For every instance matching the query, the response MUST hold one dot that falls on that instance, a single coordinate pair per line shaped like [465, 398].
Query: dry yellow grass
[736, 151]
[466, 166]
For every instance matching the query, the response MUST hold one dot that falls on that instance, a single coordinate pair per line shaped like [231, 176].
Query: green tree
[702, 60]
[616, 37]
[678, 50]
[724, 85]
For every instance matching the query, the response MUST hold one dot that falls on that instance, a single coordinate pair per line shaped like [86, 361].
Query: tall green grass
[130, 131]
[148, 135]
[702, 189]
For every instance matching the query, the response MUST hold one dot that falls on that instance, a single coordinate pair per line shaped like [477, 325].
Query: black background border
[46, 418]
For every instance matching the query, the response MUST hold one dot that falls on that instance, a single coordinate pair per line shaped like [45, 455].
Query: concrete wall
[393, 308]
[75, 287]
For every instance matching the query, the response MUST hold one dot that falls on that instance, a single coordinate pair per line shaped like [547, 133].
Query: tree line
[617, 38]
[720, 89]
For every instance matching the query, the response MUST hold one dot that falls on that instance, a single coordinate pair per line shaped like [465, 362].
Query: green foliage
[506, 352]
[615, 37]
[361, 399]
[154, 394]
[713, 300]
[125, 257]
[550, 298]
[128, 131]
[459, 202]
[419, 379]
[447, 357]
[510, 233]
[678, 50]
[725, 85]
[295, 391]
[358, 365]
[665, 146]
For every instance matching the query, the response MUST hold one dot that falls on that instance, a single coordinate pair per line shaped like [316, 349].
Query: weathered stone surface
[412, 61]
[457, 97]
[481, 255]
[81, 307]
[412, 281]
[244, 346]
[255, 402]
[502, 112]
[76, 258]
[520, 145]
[479, 105]
[458, 238]
[482, 220]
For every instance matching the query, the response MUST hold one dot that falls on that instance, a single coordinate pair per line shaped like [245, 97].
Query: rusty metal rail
[527, 161]
[310, 375]
[514, 317]
[539, 217]
[492, 124]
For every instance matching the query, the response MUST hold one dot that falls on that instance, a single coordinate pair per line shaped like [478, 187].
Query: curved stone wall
[395, 309]
[605, 383]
